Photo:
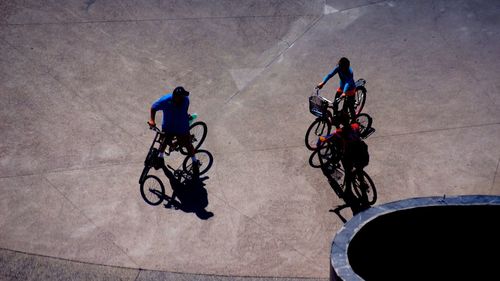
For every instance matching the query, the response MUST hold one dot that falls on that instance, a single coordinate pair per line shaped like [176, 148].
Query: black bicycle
[151, 185]
[326, 119]
[322, 146]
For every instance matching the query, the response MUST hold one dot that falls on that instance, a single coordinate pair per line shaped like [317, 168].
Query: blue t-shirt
[175, 118]
[346, 80]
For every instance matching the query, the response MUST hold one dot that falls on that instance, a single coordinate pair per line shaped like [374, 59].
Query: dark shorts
[182, 139]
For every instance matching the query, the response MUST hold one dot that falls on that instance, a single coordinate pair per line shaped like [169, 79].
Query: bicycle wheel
[365, 121]
[204, 157]
[364, 188]
[319, 127]
[314, 160]
[144, 173]
[152, 190]
[360, 99]
[198, 132]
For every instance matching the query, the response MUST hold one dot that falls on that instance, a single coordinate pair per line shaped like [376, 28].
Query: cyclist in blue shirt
[175, 121]
[347, 85]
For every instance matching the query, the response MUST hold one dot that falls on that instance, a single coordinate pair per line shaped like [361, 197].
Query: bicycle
[321, 148]
[198, 133]
[319, 106]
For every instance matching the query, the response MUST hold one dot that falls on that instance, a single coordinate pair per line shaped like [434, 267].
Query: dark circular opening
[429, 243]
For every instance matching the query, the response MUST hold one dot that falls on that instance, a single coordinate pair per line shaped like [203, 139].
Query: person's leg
[350, 105]
[335, 104]
[185, 140]
[165, 140]
[349, 197]
[350, 101]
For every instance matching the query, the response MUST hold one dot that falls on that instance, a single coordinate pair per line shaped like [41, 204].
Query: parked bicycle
[327, 117]
[150, 185]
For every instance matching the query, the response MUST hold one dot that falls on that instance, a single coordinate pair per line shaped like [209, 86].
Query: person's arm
[156, 106]
[328, 77]
[152, 115]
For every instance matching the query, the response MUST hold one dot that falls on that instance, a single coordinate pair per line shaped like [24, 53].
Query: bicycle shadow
[189, 195]
[355, 203]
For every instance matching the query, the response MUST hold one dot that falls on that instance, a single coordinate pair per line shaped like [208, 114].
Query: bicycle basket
[318, 106]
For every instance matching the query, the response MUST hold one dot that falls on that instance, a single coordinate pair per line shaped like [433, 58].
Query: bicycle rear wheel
[364, 188]
[319, 127]
[204, 157]
[152, 190]
[198, 132]
[365, 121]
[314, 160]
[360, 99]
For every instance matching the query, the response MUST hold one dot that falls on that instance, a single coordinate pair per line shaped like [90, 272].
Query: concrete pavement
[77, 79]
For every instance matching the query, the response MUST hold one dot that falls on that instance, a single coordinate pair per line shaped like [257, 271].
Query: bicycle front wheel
[364, 188]
[205, 159]
[319, 127]
[152, 190]
[314, 160]
[198, 133]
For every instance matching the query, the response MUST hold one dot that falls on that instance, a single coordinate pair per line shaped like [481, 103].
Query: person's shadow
[356, 204]
[346, 194]
[189, 193]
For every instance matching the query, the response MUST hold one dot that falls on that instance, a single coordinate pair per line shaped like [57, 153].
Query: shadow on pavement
[189, 195]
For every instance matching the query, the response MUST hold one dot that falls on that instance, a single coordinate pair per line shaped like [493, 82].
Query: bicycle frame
[151, 153]
[172, 145]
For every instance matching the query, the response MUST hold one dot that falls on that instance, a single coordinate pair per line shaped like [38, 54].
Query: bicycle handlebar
[154, 128]
[337, 100]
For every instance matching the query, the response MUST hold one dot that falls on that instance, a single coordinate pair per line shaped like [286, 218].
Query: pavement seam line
[273, 60]
[440, 129]
[68, 260]
[152, 20]
[265, 229]
[90, 220]
[138, 273]
[46, 69]
[152, 270]
[291, 44]
[362, 6]
[62, 170]
[495, 175]
[70, 169]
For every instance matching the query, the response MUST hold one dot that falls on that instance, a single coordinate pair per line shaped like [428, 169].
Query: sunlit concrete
[77, 79]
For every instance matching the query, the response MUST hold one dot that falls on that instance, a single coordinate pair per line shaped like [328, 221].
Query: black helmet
[180, 91]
